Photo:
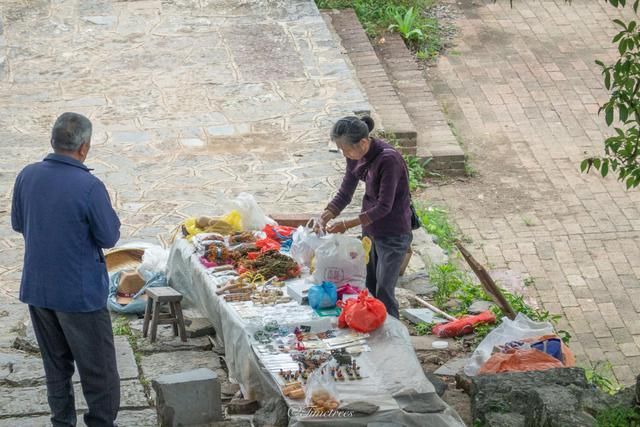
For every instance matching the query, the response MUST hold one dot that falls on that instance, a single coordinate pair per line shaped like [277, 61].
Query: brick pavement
[522, 90]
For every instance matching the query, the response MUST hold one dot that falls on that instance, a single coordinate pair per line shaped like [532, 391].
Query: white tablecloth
[392, 366]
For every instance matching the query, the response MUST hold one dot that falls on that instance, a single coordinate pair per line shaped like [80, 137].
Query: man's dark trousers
[87, 339]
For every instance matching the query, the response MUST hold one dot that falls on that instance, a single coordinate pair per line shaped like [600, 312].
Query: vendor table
[393, 371]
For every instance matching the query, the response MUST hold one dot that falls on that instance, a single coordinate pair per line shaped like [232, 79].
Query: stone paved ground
[188, 98]
[522, 92]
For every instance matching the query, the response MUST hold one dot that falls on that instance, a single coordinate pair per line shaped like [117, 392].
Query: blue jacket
[66, 218]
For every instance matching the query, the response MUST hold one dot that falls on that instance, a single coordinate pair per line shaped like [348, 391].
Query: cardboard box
[298, 289]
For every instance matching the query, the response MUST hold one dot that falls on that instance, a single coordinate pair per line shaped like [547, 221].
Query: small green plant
[406, 23]
[529, 281]
[619, 416]
[452, 282]
[601, 376]
[121, 326]
[436, 222]
[528, 222]
[417, 170]
[469, 170]
[423, 328]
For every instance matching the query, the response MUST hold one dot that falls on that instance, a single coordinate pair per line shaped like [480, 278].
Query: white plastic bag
[509, 330]
[304, 244]
[155, 259]
[253, 217]
[340, 259]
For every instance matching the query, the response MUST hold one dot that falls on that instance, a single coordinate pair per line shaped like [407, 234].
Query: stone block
[199, 327]
[509, 419]
[430, 253]
[452, 367]
[188, 398]
[421, 315]
[417, 283]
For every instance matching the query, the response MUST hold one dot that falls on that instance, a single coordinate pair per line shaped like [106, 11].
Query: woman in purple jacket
[386, 214]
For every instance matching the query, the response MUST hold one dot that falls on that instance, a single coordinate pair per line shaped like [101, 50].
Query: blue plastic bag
[138, 304]
[324, 295]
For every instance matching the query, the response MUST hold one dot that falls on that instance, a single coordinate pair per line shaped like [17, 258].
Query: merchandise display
[257, 297]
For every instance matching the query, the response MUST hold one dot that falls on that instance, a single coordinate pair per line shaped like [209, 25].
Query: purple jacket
[385, 205]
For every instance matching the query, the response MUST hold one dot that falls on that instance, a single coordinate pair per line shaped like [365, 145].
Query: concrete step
[399, 94]
[435, 138]
[372, 77]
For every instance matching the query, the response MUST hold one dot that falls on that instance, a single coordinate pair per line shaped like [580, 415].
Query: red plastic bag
[278, 232]
[345, 306]
[462, 326]
[267, 245]
[366, 314]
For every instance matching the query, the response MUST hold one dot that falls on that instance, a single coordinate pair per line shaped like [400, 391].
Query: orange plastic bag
[520, 361]
[528, 359]
[366, 314]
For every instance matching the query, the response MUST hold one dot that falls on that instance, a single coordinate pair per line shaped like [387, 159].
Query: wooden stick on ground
[487, 282]
[434, 309]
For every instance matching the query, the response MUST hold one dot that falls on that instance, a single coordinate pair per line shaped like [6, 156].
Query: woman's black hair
[352, 129]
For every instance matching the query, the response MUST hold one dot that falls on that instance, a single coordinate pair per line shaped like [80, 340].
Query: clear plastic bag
[320, 391]
[509, 330]
[251, 214]
[304, 244]
[155, 259]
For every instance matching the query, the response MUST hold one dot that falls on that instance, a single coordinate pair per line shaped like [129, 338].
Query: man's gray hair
[70, 131]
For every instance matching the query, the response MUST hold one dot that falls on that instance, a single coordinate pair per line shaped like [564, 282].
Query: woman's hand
[337, 227]
[326, 216]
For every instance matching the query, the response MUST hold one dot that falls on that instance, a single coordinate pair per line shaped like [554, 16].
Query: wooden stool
[155, 298]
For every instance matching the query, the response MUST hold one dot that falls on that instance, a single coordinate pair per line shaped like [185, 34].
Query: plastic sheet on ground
[392, 366]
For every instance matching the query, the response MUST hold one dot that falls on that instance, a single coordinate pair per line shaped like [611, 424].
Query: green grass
[377, 15]
[620, 416]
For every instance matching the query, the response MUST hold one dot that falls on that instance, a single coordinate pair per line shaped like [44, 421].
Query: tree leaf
[584, 164]
[635, 6]
[622, 47]
[624, 113]
[632, 26]
[608, 115]
[630, 182]
[596, 163]
[607, 80]
[619, 22]
[605, 168]
[618, 36]
[600, 63]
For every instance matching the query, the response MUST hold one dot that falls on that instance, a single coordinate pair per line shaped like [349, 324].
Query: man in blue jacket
[66, 218]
